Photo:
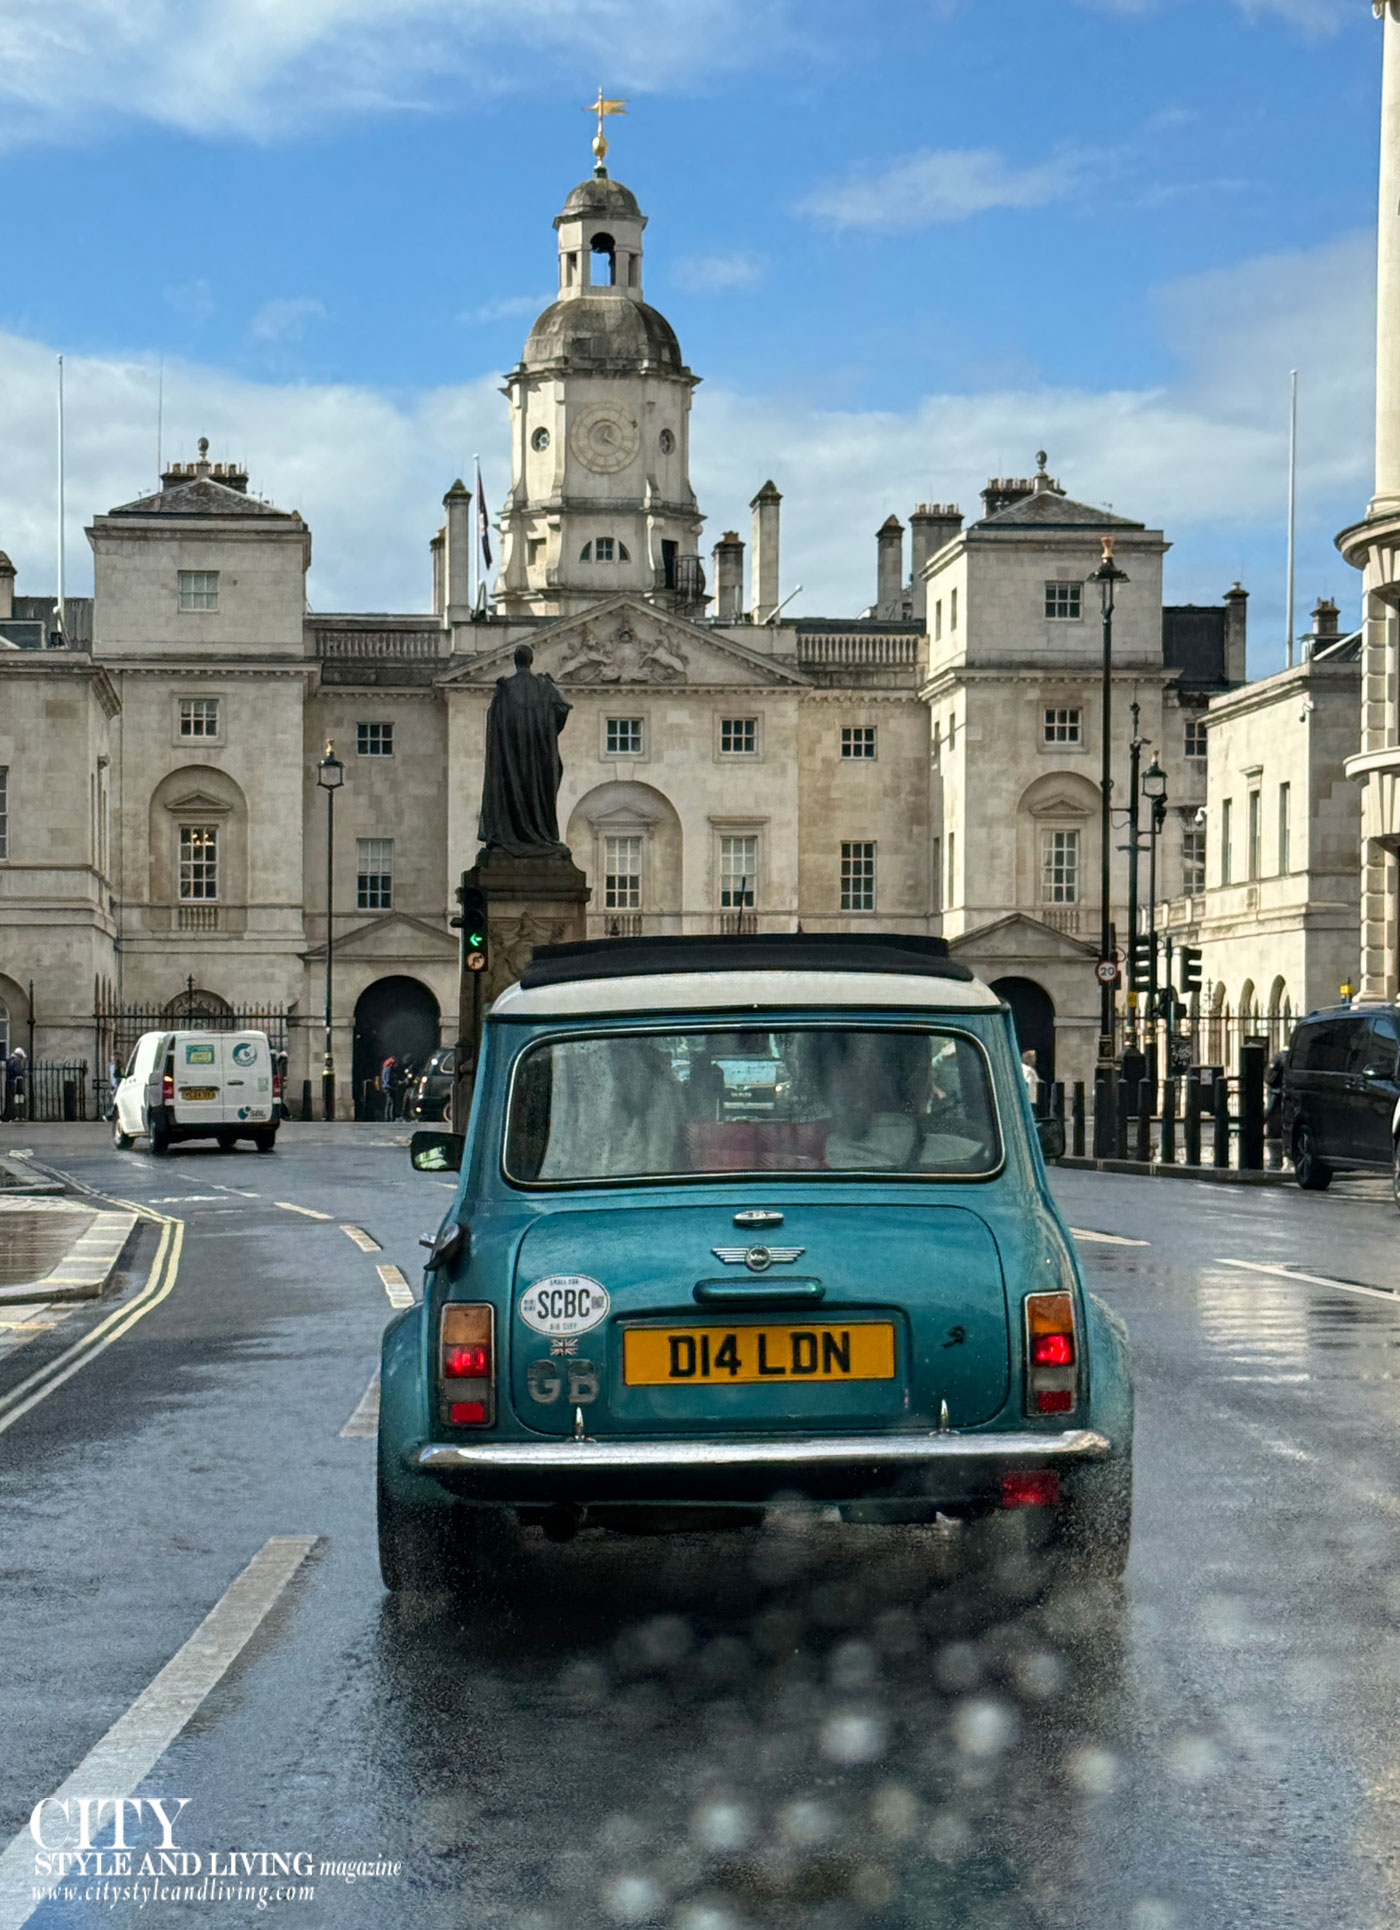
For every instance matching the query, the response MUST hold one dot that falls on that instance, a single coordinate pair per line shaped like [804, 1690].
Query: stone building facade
[929, 765]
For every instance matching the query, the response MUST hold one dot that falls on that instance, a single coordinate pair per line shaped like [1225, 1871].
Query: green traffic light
[476, 940]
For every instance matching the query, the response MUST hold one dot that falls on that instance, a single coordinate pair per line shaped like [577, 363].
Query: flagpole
[471, 555]
[62, 625]
[1292, 522]
[476, 529]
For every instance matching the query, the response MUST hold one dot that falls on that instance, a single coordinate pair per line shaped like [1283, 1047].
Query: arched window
[606, 549]
[605, 246]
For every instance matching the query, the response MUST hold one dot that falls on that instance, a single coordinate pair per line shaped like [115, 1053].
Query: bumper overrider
[941, 1467]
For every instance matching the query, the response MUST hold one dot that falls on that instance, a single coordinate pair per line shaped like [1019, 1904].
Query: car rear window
[810, 1099]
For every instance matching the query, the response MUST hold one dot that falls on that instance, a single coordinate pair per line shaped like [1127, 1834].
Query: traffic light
[1190, 968]
[472, 924]
[1140, 958]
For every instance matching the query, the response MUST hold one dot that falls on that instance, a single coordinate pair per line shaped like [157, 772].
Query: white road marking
[1106, 1239]
[242, 1191]
[365, 1419]
[396, 1286]
[160, 1282]
[185, 1199]
[288, 1206]
[1309, 1279]
[137, 1740]
[363, 1240]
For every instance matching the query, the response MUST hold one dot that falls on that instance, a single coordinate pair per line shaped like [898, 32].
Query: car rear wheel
[225, 1142]
[265, 1142]
[160, 1138]
[1308, 1169]
[122, 1141]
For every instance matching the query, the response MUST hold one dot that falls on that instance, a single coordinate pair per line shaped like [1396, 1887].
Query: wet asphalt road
[816, 1726]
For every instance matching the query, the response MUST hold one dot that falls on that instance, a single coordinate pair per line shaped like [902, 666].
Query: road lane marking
[136, 1741]
[1309, 1279]
[288, 1206]
[396, 1286]
[364, 1241]
[160, 1281]
[365, 1419]
[1106, 1239]
[242, 1191]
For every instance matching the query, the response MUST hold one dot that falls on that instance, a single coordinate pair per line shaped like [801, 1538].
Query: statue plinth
[530, 901]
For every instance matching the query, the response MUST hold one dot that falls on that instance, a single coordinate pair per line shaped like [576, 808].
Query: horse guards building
[930, 764]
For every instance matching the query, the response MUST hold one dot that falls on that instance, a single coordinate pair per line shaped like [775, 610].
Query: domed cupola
[600, 497]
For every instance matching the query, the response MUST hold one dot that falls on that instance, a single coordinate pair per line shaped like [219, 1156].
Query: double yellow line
[17, 1401]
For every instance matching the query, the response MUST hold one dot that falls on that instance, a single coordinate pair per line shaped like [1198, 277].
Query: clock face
[604, 438]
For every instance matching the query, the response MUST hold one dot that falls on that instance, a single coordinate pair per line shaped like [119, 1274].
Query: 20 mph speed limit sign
[1106, 971]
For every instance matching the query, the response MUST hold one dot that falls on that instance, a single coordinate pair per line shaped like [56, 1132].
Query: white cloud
[1202, 454]
[717, 274]
[947, 184]
[508, 308]
[285, 319]
[266, 67]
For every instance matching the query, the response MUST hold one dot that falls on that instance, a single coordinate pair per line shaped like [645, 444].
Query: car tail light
[1051, 1355]
[167, 1088]
[468, 1364]
[276, 1083]
[1030, 1488]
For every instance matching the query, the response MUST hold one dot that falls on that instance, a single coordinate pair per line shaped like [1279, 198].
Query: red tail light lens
[276, 1083]
[167, 1088]
[1052, 1380]
[1031, 1488]
[467, 1364]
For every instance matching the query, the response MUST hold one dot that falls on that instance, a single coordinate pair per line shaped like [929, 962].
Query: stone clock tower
[600, 498]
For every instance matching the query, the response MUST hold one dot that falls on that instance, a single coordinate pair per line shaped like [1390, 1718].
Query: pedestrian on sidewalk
[386, 1088]
[17, 1084]
[1030, 1075]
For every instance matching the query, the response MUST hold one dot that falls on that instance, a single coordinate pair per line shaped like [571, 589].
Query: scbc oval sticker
[564, 1304]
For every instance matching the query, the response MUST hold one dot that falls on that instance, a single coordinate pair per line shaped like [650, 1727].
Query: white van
[199, 1085]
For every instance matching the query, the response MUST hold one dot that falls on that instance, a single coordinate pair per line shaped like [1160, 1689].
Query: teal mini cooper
[743, 1219]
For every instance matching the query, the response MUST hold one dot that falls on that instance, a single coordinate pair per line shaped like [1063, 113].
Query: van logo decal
[758, 1259]
[244, 1053]
[199, 1055]
[563, 1304]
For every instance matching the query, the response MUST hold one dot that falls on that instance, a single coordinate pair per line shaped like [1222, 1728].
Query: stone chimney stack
[1236, 616]
[1327, 627]
[930, 527]
[437, 548]
[458, 601]
[729, 577]
[889, 570]
[1387, 497]
[7, 588]
[765, 594]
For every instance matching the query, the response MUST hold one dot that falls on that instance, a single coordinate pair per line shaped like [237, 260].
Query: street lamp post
[1154, 789]
[330, 775]
[1108, 576]
[1134, 825]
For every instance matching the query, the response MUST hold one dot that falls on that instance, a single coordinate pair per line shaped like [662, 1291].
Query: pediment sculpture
[622, 657]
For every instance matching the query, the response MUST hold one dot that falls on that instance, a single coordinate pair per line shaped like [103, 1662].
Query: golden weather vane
[603, 107]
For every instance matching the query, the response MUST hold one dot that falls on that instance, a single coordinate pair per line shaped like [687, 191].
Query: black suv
[1341, 1089]
[430, 1095]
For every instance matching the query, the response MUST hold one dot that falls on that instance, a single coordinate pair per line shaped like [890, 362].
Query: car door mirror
[1381, 1071]
[436, 1152]
[1051, 1133]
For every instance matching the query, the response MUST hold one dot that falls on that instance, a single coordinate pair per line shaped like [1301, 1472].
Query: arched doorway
[1033, 1014]
[396, 1017]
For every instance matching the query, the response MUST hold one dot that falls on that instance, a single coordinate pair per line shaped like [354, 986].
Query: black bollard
[306, 1098]
[1167, 1151]
[1252, 1055]
[1105, 1100]
[1127, 1099]
[1057, 1099]
[1191, 1118]
[1145, 1097]
[1077, 1111]
[1220, 1107]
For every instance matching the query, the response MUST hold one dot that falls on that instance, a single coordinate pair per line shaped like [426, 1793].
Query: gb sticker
[564, 1304]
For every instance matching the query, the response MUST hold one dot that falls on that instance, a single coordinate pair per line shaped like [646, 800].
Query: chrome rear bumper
[837, 1456]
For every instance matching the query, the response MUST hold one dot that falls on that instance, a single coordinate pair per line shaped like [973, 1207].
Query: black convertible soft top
[911, 955]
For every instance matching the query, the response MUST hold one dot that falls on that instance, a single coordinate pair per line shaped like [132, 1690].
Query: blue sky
[905, 243]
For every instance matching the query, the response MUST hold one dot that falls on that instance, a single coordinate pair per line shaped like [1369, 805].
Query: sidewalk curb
[85, 1270]
[19, 1175]
[1142, 1169]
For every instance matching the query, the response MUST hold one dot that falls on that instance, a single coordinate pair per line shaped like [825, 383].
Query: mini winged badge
[757, 1259]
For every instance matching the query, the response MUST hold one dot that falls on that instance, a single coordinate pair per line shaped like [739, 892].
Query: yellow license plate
[199, 1092]
[824, 1351]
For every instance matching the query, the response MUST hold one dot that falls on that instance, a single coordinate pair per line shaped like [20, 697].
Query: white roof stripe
[719, 991]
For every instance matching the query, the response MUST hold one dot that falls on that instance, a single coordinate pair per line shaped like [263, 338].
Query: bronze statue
[520, 789]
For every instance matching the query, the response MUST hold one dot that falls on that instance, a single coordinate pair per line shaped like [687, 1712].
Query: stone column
[530, 901]
[764, 593]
